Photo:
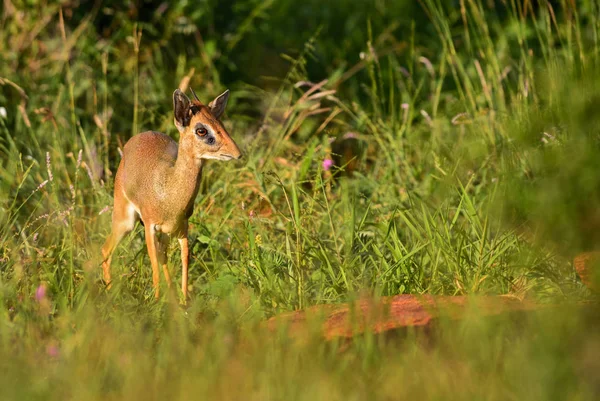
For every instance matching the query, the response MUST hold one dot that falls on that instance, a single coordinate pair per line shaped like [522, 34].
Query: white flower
[3, 112]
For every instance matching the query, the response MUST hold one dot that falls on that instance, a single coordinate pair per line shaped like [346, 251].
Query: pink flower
[327, 164]
[104, 210]
[52, 351]
[40, 293]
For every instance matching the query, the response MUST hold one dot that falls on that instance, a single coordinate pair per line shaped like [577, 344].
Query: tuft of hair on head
[194, 93]
[196, 103]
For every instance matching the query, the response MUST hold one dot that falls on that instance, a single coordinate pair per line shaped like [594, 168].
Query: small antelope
[158, 180]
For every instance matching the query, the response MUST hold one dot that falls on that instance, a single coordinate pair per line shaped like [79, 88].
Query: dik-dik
[158, 180]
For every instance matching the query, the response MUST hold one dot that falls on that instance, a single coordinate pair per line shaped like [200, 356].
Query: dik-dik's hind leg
[123, 221]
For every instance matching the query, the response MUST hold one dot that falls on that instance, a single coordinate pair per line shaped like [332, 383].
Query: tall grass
[447, 141]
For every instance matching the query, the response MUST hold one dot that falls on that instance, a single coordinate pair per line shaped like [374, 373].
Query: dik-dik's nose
[235, 151]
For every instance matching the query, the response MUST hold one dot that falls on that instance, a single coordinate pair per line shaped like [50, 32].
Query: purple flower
[327, 164]
[40, 293]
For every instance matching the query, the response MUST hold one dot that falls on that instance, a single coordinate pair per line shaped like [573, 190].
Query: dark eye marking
[207, 136]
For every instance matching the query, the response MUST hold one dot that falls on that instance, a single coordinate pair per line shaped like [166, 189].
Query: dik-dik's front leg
[152, 244]
[183, 244]
[158, 245]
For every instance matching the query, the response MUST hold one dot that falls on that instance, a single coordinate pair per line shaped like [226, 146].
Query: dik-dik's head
[200, 129]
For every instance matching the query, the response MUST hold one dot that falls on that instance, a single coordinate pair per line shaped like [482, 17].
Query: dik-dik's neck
[185, 180]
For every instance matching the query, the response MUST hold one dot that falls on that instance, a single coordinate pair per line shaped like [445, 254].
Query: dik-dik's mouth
[221, 156]
[227, 156]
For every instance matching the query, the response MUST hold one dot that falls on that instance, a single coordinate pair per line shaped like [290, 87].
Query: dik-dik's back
[158, 179]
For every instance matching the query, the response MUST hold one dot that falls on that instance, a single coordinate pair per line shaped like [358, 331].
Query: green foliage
[553, 184]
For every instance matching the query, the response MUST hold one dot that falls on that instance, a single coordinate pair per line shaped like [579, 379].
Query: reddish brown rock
[401, 311]
[389, 313]
[585, 264]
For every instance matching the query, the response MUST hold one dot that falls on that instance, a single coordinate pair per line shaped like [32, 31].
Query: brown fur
[157, 182]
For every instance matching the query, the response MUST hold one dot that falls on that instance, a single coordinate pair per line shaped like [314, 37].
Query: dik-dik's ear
[181, 110]
[217, 106]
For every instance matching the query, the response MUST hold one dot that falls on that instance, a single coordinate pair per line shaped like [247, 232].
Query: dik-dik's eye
[201, 131]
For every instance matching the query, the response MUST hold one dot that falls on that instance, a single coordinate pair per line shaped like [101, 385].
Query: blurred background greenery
[391, 147]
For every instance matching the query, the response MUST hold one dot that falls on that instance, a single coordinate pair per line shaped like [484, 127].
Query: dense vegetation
[391, 147]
